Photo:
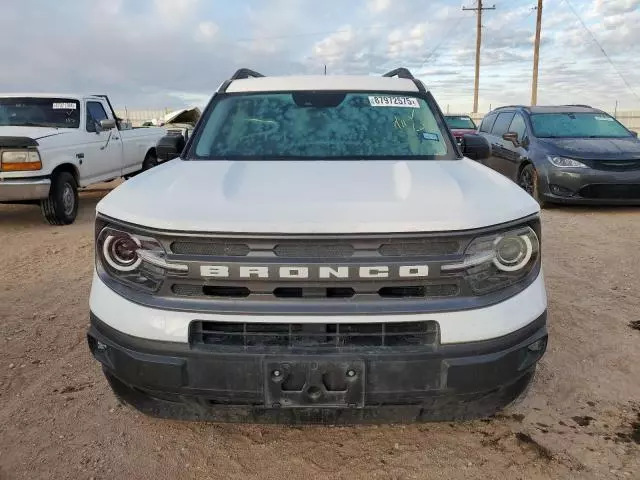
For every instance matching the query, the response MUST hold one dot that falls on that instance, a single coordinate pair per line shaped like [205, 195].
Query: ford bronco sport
[320, 251]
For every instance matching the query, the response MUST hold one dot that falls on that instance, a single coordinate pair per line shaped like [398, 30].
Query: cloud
[206, 32]
[165, 53]
[615, 7]
[378, 6]
[174, 12]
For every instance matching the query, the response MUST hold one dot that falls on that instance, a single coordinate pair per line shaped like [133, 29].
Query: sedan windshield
[577, 125]
[39, 112]
[460, 122]
[321, 125]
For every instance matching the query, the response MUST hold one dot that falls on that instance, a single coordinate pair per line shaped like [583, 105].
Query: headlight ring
[119, 251]
[512, 252]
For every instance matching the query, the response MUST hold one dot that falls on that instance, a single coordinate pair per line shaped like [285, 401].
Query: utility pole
[478, 11]
[536, 56]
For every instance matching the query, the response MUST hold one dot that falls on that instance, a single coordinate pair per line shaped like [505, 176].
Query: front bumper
[434, 382]
[590, 186]
[21, 190]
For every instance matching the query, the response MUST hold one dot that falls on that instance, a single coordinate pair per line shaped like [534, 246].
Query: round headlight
[513, 252]
[120, 252]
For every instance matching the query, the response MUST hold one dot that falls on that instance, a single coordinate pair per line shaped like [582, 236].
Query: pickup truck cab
[326, 254]
[52, 145]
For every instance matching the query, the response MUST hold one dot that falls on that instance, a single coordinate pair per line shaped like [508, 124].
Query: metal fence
[138, 117]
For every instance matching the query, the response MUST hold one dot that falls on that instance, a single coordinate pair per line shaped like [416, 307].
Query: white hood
[318, 197]
[35, 133]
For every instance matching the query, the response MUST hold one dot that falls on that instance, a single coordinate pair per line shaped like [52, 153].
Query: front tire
[529, 182]
[150, 161]
[61, 207]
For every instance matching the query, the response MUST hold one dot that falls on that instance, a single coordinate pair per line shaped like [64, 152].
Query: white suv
[320, 251]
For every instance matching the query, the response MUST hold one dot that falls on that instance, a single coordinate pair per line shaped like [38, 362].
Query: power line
[615, 69]
[444, 39]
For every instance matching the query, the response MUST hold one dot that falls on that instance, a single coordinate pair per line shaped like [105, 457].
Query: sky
[153, 54]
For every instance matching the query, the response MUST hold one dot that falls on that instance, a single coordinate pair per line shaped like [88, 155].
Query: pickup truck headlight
[20, 160]
[495, 262]
[136, 261]
[564, 162]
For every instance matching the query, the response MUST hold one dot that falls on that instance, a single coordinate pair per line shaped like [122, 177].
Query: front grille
[322, 274]
[421, 248]
[611, 191]
[314, 250]
[613, 165]
[323, 335]
[318, 249]
[217, 249]
[361, 292]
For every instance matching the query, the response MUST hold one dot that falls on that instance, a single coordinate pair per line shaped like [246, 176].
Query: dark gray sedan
[565, 154]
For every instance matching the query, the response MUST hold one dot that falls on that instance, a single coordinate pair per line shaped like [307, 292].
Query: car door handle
[116, 138]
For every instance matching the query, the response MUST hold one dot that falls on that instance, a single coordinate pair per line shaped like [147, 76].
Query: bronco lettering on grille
[303, 272]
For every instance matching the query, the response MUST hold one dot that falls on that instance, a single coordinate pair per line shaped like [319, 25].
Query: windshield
[40, 112]
[460, 122]
[321, 125]
[577, 125]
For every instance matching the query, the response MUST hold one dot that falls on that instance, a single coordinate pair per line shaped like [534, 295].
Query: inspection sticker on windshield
[604, 119]
[387, 101]
[64, 106]
[432, 137]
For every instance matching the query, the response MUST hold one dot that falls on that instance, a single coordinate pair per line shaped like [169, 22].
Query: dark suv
[565, 154]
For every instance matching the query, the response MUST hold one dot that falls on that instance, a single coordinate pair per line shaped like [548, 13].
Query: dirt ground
[59, 420]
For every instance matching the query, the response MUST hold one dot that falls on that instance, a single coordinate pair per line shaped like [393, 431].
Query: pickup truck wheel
[61, 207]
[150, 161]
[528, 181]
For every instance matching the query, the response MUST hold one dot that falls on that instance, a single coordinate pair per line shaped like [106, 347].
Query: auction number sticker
[604, 119]
[64, 106]
[388, 101]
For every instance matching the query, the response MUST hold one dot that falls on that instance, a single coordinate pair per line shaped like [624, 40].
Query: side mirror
[635, 134]
[511, 137]
[170, 147]
[107, 124]
[475, 147]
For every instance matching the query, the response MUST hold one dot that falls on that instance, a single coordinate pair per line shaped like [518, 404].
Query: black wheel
[150, 161]
[61, 207]
[528, 181]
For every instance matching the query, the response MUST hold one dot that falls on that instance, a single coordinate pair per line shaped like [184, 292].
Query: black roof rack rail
[245, 73]
[510, 106]
[403, 72]
[240, 74]
[400, 73]
[577, 105]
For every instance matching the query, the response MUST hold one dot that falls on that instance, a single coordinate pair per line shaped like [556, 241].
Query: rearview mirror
[107, 124]
[511, 137]
[475, 147]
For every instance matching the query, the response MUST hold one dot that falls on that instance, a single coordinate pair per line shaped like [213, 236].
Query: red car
[460, 125]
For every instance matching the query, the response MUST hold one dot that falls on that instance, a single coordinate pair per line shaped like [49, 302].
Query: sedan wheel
[528, 181]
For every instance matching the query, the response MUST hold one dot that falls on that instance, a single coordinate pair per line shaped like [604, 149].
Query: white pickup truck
[51, 145]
